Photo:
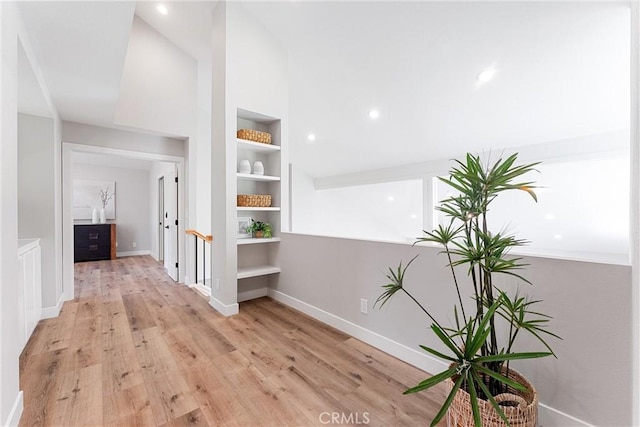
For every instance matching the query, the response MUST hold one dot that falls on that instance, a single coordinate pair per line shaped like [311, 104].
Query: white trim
[51, 312]
[252, 294]
[201, 289]
[133, 253]
[224, 309]
[548, 416]
[16, 411]
[634, 211]
[590, 257]
[157, 258]
[414, 357]
[132, 154]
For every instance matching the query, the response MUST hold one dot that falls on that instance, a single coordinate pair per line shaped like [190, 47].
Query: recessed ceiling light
[390, 198]
[414, 216]
[549, 216]
[486, 75]
[557, 236]
[162, 9]
[374, 114]
[311, 137]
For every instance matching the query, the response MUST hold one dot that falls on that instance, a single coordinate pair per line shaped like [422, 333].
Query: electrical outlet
[217, 284]
[364, 306]
[134, 244]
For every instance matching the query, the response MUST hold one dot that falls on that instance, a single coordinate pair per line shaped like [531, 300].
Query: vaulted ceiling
[562, 71]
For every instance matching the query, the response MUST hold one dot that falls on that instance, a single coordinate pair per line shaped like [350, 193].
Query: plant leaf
[473, 398]
[492, 400]
[447, 402]
[431, 381]
[512, 356]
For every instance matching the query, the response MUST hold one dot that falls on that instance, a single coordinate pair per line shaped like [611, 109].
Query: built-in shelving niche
[256, 257]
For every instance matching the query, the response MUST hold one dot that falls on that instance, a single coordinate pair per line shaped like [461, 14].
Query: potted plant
[260, 229]
[483, 388]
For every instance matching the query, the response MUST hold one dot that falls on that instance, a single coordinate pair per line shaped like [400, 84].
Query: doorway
[174, 165]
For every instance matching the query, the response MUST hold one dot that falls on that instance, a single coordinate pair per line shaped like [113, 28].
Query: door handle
[166, 226]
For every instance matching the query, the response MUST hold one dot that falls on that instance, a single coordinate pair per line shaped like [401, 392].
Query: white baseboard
[203, 290]
[154, 256]
[132, 253]
[51, 312]
[548, 416]
[16, 411]
[224, 309]
[252, 294]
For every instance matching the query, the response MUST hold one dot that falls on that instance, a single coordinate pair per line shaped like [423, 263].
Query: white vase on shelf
[103, 216]
[94, 216]
[245, 167]
[258, 168]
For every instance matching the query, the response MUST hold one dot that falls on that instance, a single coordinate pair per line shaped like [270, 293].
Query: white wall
[202, 156]
[132, 203]
[36, 196]
[589, 302]
[390, 211]
[158, 86]
[239, 44]
[10, 302]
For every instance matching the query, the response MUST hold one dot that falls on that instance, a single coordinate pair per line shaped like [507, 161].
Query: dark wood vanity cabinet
[94, 242]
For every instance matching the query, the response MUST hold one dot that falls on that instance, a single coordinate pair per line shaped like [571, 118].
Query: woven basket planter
[254, 135]
[254, 200]
[521, 408]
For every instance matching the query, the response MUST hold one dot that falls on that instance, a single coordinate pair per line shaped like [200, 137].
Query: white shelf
[263, 270]
[256, 241]
[257, 146]
[252, 177]
[250, 208]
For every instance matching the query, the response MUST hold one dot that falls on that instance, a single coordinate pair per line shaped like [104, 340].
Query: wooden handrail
[207, 238]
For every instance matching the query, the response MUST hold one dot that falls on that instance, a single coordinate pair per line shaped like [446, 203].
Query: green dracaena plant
[476, 356]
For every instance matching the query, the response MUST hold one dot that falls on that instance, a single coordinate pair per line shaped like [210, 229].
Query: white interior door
[171, 225]
[161, 221]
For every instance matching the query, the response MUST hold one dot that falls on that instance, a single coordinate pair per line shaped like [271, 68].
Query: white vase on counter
[94, 216]
[245, 166]
[258, 168]
[103, 216]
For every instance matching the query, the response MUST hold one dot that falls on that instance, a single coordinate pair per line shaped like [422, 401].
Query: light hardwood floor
[136, 349]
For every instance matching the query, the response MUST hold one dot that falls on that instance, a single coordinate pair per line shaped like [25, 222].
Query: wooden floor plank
[136, 349]
[137, 312]
[78, 398]
[168, 391]
[128, 407]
